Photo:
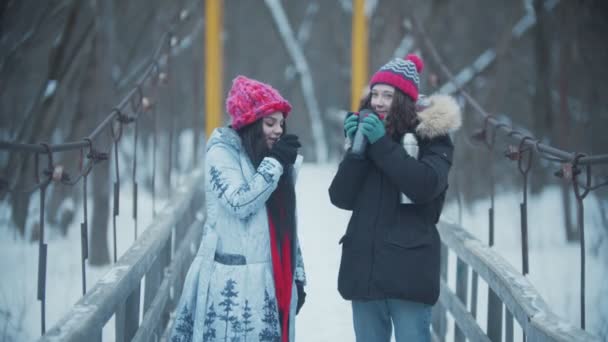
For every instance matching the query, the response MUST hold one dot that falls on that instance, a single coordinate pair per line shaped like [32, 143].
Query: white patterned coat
[229, 292]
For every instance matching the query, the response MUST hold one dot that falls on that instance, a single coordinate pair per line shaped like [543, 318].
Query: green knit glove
[373, 128]
[350, 125]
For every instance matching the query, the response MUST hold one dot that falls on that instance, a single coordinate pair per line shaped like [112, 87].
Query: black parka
[391, 250]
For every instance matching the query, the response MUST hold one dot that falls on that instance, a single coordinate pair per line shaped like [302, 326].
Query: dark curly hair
[402, 115]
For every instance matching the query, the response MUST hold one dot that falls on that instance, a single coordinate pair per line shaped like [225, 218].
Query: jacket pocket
[354, 270]
[409, 242]
[411, 230]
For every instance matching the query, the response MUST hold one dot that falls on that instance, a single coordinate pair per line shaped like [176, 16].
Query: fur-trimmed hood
[440, 115]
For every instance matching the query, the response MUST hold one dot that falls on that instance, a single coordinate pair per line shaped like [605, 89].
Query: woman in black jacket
[390, 252]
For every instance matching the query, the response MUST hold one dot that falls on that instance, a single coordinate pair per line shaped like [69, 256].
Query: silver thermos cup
[359, 140]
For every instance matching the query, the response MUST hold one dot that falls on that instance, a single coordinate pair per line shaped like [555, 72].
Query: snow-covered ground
[554, 264]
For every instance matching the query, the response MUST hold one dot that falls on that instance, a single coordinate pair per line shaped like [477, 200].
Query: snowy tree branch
[489, 56]
[296, 54]
[306, 26]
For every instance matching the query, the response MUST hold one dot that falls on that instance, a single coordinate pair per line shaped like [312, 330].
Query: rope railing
[128, 112]
[138, 103]
[573, 165]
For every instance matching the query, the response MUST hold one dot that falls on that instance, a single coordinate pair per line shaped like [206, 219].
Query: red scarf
[281, 266]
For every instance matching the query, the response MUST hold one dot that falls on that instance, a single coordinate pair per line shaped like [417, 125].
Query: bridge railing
[153, 269]
[158, 261]
[507, 287]
[573, 168]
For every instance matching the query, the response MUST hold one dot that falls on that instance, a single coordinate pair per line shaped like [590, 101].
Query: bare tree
[99, 95]
[542, 68]
[564, 122]
[45, 113]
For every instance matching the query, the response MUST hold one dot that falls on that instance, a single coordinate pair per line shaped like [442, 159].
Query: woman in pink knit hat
[394, 184]
[247, 280]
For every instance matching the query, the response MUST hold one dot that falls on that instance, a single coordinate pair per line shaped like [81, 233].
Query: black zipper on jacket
[371, 268]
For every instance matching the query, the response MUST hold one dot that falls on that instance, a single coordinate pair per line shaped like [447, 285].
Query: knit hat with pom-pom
[402, 74]
[250, 100]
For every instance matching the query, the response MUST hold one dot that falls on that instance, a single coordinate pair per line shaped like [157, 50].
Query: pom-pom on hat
[402, 74]
[250, 100]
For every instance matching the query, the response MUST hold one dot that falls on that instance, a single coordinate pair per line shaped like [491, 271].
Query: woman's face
[382, 98]
[272, 126]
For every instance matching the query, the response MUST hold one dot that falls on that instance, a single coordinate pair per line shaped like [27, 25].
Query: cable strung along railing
[523, 148]
[154, 255]
[161, 256]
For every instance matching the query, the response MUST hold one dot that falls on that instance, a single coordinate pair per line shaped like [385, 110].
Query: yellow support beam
[359, 57]
[213, 65]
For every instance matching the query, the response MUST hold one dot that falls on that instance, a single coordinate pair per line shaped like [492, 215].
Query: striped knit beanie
[401, 74]
[250, 100]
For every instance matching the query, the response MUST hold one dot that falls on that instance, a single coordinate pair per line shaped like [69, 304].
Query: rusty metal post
[581, 222]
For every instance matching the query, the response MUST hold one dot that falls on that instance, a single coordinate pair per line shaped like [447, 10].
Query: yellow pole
[213, 65]
[359, 57]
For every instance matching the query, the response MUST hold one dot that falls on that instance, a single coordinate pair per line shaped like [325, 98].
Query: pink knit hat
[401, 74]
[250, 100]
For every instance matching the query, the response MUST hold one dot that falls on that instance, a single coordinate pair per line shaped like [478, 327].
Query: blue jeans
[372, 320]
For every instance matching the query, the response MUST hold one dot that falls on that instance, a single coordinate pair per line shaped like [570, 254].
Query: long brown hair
[402, 115]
